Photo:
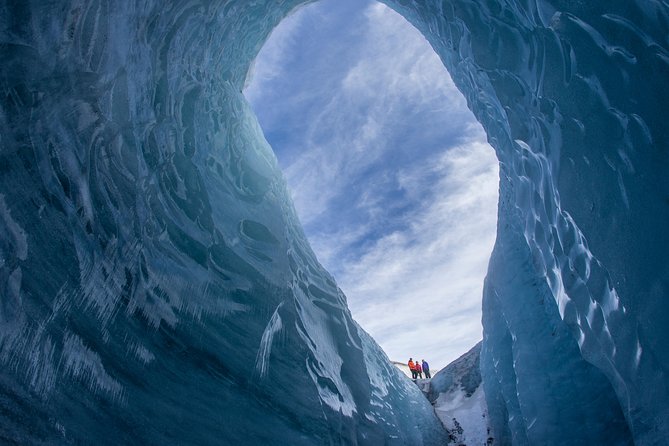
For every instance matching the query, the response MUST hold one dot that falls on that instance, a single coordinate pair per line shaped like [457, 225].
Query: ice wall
[156, 285]
[575, 304]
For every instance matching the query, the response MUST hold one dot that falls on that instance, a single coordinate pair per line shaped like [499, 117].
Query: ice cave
[150, 253]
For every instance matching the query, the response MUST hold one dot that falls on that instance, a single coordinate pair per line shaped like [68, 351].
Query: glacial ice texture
[156, 286]
[457, 394]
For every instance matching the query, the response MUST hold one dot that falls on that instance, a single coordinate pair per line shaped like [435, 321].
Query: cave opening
[391, 175]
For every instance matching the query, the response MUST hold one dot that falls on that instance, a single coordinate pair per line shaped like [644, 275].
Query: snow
[404, 368]
[465, 417]
[458, 397]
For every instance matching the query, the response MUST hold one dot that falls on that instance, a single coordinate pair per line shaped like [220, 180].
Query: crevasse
[157, 287]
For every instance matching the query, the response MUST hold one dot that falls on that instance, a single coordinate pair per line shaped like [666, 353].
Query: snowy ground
[458, 399]
[465, 417]
[403, 367]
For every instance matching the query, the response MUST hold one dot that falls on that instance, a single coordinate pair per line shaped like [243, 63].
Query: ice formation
[157, 288]
[457, 394]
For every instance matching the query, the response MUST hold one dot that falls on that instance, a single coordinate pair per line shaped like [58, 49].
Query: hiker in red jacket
[419, 369]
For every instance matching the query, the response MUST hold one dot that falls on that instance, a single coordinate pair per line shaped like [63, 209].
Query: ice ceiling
[157, 288]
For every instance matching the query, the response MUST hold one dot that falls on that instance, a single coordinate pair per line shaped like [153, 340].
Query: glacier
[157, 287]
[457, 394]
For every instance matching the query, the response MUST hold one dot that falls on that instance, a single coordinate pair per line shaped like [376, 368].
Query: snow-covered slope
[465, 417]
[459, 400]
[404, 368]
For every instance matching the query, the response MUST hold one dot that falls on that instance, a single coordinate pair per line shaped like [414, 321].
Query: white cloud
[392, 54]
[416, 286]
[271, 60]
[434, 271]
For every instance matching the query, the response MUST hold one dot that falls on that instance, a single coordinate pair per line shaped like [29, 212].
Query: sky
[390, 173]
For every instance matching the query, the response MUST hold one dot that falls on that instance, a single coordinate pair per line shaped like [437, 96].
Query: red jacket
[418, 367]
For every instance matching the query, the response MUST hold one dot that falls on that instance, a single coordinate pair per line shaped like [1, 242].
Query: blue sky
[391, 175]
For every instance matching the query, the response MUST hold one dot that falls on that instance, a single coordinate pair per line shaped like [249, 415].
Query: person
[412, 367]
[419, 370]
[426, 369]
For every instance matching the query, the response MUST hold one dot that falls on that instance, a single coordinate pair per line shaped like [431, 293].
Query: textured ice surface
[157, 288]
[156, 285]
[463, 373]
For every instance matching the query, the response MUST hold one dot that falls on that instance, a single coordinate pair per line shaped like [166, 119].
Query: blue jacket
[426, 366]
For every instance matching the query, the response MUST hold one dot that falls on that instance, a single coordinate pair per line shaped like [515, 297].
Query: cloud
[390, 173]
[427, 281]
[272, 59]
[352, 142]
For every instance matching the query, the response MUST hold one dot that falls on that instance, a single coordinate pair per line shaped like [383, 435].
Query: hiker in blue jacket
[426, 369]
